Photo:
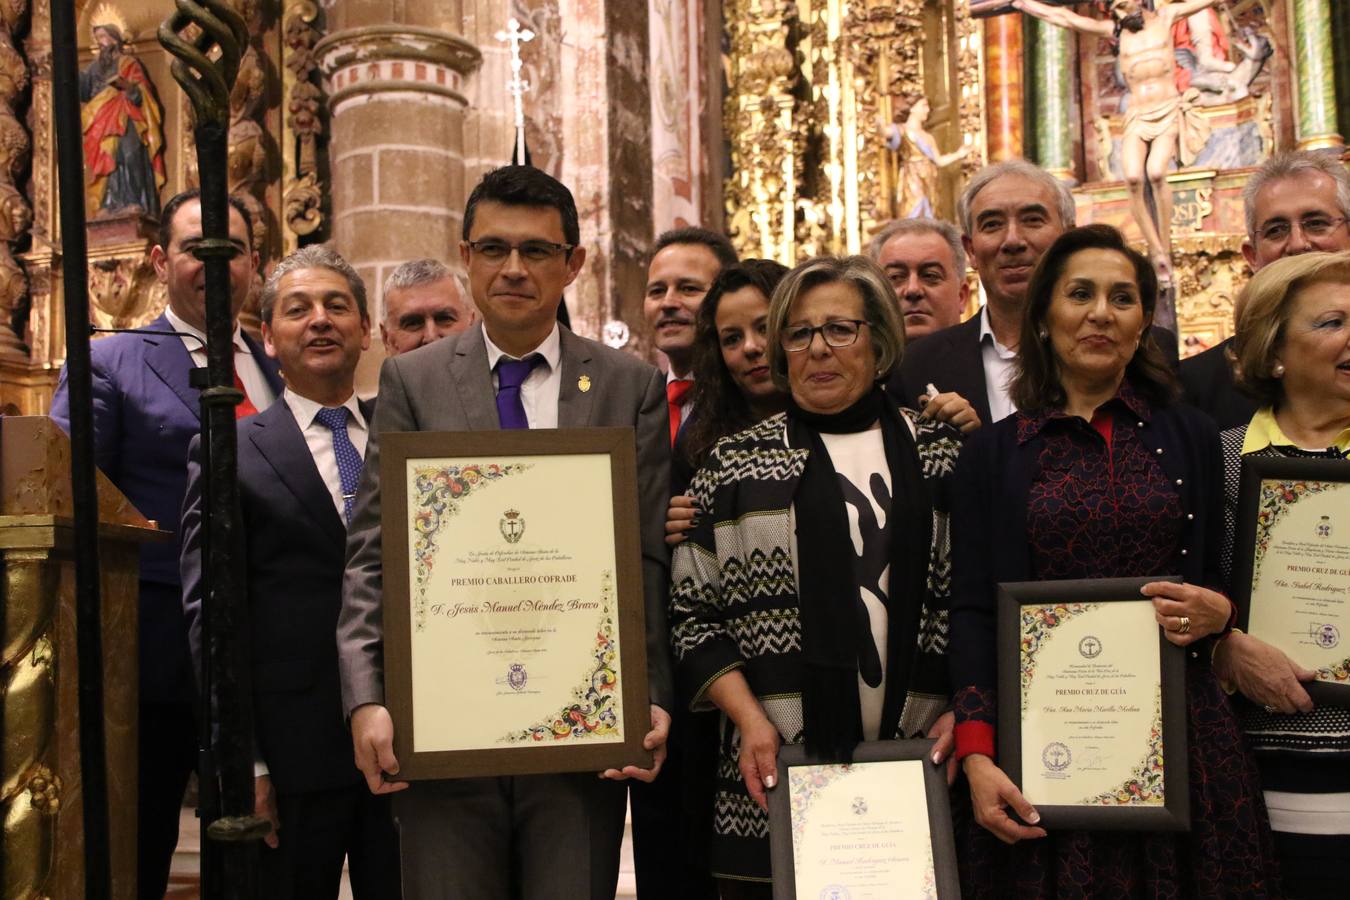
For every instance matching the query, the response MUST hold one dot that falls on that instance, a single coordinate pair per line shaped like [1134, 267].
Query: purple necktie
[511, 374]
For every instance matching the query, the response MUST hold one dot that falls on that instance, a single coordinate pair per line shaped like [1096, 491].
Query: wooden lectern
[41, 847]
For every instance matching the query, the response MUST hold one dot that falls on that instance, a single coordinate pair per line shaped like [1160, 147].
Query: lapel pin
[584, 383]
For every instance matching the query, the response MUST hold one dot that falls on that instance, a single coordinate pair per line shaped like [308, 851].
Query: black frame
[1174, 815]
[936, 796]
[1256, 469]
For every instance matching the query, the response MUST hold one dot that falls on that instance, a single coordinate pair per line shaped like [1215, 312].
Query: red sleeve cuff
[974, 737]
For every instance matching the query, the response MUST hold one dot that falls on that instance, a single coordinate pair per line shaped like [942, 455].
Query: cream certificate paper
[515, 637]
[861, 831]
[1091, 704]
[1300, 599]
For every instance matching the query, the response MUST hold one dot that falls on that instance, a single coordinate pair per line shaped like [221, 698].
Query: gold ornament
[584, 383]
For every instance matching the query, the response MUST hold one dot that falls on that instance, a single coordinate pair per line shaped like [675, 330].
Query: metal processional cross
[515, 36]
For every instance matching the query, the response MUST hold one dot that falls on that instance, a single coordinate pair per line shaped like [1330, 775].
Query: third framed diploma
[1092, 705]
[1291, 573]
[875, 829]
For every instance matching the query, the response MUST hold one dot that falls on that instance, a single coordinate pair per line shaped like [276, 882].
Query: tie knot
[675, 390]
[333, 417]
[511, 373]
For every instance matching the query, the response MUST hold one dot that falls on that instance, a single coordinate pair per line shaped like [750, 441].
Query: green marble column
[1315, 75]
[1050, 76]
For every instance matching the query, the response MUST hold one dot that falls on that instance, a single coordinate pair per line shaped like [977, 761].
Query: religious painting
[122, 122]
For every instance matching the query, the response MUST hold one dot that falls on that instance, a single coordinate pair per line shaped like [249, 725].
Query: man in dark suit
[145, 412]
[299, 462]
[1297, 202]
[538, 836]
[1010, 213]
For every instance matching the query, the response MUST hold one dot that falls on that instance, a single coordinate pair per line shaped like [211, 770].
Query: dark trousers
[319, 829]
[529, 837]
[672, 816]
[168, 755]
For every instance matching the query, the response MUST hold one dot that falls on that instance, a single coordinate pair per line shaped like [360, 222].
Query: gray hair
[315, 256]
[1291, 165]
[942, 228]
[1068, 213]
[417, 272]
[879, 308]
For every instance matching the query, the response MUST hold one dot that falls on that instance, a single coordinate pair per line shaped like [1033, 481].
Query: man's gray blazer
[447, 386]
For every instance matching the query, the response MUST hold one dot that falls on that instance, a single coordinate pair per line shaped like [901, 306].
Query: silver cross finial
[514, 35]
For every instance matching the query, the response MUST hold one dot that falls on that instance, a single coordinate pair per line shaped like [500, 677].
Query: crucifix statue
[515, 36]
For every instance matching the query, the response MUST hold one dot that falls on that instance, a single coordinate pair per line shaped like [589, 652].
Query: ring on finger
[1184, 625]
[1269, 708]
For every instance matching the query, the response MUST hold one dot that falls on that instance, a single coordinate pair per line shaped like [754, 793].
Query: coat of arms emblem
[1324, 527]
[512, 525]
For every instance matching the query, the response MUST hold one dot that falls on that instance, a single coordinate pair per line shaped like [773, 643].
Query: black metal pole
[84, 490]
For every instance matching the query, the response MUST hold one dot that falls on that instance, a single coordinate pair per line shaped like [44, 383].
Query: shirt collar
[305, 409]
[178, 324]
[987, 336]
[1263, 431]
[672, 377]
[550, 349]
[1126, 398]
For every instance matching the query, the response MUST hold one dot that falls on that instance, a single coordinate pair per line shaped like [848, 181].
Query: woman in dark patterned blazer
[809, 601]
[1293, 354]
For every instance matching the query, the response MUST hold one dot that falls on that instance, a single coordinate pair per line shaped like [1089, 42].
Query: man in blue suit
[299, 462]
[145, 413]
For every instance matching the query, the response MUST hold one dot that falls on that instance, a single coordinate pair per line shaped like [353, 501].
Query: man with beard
[682, 270]
[122, 124]
[1160, 124]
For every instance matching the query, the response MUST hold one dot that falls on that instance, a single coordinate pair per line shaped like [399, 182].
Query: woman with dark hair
[1099, 474]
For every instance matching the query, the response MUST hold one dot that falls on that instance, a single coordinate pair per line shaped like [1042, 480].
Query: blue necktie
[348, 460]
[511, 374]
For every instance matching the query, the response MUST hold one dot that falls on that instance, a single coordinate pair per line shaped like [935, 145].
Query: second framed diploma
[1092, 705]
[1291, 577]
[876, 829]
[514, 633]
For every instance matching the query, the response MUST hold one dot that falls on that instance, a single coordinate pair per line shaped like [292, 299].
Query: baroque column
[396, 99]
[1051, 66]
[1316, 87]
[1003, 85]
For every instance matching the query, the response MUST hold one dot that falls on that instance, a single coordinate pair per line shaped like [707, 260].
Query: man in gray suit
[529, 836]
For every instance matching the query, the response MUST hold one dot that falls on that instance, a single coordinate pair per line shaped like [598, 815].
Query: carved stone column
[1003, 85]
[1316, 84]
[1051, 59]
[15, 147]
[395, 95]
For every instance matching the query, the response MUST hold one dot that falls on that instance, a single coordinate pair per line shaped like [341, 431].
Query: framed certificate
[1092, 705]
[1291, 571]
[876, 829]
[514, 635]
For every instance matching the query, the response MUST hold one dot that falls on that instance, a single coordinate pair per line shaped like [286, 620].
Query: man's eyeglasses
[496, 251]
[836, 333]
[1312, 226]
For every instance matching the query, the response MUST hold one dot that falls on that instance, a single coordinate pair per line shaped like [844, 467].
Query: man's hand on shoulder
[373, 745]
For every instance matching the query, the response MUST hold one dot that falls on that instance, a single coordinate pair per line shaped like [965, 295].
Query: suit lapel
[278, 438]
[578, 370]
[170, 361]
[472, 378]
[969, 382]
[270, 368]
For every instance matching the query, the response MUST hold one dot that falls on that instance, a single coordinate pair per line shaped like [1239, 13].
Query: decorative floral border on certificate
[437, 492]
[929, 889]
[1338, 672]
[805, 784]
[1146, 787]
[592, 712]
[1037, 623]
[1273, 501]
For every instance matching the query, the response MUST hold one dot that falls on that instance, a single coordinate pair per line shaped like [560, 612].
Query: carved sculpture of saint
[122, 121]
[916, 160]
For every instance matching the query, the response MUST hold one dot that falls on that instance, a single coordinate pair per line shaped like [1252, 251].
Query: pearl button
[1179, 482]
[1139, 424]
[1160, 451]
[1190, 516]
[1184, 552]
[1194, 655]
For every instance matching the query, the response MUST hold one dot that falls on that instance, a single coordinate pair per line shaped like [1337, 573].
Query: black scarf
[838, 646]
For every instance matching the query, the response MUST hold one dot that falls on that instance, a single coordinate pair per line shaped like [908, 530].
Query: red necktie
[675, 391]
[245, 407]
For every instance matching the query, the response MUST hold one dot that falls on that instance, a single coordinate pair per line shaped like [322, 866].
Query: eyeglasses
[1312, 226]
[836, 333]
[495, 251]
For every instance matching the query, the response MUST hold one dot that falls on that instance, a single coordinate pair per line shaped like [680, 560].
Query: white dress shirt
[245, 364]
[319, 437]
[687, 404]
[539, 391]
[998, 370]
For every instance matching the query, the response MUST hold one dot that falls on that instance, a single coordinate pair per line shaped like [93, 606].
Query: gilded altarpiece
[275, 164]
[812, 88]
